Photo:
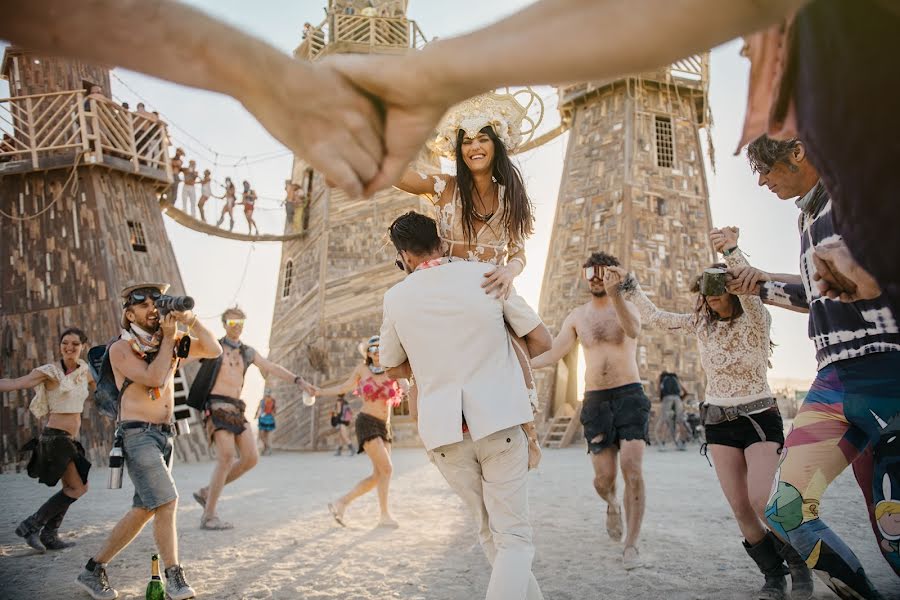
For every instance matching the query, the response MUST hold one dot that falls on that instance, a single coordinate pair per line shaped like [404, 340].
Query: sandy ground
[285, 545]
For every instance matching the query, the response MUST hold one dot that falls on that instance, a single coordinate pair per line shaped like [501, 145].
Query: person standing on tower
[144, 362]
[216, 392]
[616, 412]
[61, 389]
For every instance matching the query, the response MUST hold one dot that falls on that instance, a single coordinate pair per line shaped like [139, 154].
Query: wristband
[730, 251]
[519, 260]
[298, 380]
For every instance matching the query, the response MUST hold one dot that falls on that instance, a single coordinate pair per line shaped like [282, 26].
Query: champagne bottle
[155, 588]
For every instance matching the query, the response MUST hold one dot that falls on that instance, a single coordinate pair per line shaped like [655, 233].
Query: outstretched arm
[348, 385]
[562, 345]
[274, 369]
[319, 116]
[25, 382]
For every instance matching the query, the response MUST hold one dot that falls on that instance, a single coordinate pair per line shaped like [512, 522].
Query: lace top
[69, 395]
[372, 391]
[492, 243]
[734, 354]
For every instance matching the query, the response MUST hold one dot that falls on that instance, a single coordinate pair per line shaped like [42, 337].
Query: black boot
[766, 557]
[801, 575]
[29, 529]
[50, 534]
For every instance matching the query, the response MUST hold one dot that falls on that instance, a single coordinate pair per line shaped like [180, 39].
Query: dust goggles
[138, 296]
[593, 272]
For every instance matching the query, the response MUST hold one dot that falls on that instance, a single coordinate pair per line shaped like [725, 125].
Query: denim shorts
[613, 415]
[148, 456]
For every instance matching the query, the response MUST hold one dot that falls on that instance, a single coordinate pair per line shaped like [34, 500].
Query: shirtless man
[217, 391]
[189, 190]
[616, 412]
[144, 363]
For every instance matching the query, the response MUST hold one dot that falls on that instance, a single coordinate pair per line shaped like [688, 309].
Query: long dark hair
[518, 212]
[82, 338]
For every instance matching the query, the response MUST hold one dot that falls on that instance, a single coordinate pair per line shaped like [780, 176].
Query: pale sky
[216, 131]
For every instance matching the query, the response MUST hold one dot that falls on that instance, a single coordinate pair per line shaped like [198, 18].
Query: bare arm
[25, 382]
[562, 345]
[342, 388]
[270, 368]
[552, 41]
[538, 340]
[205, 344]
[131, 366]
[626, 313]
[315, 114]
[413, 182]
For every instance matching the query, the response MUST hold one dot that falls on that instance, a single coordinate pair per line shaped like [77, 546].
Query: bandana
[144, 344]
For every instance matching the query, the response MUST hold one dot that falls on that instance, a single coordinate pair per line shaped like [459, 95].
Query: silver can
[116, 465]
[182, 427]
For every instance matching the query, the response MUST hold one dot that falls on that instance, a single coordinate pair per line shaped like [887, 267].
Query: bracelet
[519, 260]
[730, 251]
[298, 380]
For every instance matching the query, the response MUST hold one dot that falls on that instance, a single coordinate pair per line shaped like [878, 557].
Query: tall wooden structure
[79, 183]
[332, 279]
[634, 186]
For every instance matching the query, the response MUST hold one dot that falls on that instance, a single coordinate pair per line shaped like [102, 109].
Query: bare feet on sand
[614, 522]
[631, 558]
[388, 522]
[337, 511]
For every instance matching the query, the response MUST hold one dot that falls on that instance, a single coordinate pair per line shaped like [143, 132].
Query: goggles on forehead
[373, 349]
[138, 296]
[233, 322]
[593, 272]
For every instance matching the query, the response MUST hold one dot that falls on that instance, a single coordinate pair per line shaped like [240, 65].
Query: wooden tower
[79, 182]
[634, 186]
[333, 278]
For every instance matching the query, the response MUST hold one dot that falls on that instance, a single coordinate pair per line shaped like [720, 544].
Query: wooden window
[288, 279]
[661, 207]
[136, 233]
[665, 148]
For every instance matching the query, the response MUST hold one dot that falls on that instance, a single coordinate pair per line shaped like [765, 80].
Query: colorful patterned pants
[851, 416]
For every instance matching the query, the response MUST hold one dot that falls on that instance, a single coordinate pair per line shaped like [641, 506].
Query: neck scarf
[813, 201]
[230, 344]
[142, 342]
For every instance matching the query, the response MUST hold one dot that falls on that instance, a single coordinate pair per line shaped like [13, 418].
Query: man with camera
[144, 360]
[216, 392]
[616, 412]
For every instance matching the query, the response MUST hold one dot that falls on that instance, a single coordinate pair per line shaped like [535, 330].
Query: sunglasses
[373, 350]
[593, 272]
[233, 322]
[138, 296]
[399, 262]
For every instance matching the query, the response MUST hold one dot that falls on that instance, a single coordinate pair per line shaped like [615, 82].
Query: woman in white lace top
[60, 391]
[744, 430]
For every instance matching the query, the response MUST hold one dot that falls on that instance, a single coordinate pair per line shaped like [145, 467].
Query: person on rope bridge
[228, 208]
[177, 163]
[189, 190]
[248, 201]
[205, 192]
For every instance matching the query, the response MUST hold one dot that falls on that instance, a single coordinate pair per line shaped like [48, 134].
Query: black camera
[166, 304]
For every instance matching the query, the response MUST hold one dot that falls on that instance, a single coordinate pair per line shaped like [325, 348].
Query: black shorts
[741, 434]
[370, 428]
[610, 416]
[51, 455]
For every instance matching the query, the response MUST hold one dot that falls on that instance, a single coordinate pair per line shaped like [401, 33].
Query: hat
[363, 347]
[504, 112]
[126, 291]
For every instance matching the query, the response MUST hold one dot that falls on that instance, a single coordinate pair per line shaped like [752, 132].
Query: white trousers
[189, 199]
[490, 476]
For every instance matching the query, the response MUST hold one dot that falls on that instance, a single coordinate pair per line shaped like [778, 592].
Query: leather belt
[720, 414]
[166, 428]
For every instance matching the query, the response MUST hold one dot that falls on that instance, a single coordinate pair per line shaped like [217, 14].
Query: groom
[472, 400]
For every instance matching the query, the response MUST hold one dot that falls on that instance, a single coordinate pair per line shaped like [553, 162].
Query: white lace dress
[734, 354]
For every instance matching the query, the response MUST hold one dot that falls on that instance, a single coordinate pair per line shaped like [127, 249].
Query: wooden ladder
[561, 431]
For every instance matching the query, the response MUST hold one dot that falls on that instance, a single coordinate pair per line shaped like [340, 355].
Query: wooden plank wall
[65, 268]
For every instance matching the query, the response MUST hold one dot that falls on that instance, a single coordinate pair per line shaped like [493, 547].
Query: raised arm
[319, 116]
[562, 345]
[725, 241]
[131, 366]
[25, 382]
[652, 316]
[203, 344]
[627, 314]
[422, 184]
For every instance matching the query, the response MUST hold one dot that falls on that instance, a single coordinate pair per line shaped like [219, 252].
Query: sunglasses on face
[233, 322]
[138, 296]
[593, 272]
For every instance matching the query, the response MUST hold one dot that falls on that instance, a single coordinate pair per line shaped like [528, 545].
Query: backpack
[206, 376]
[107, 393]
[669, 385]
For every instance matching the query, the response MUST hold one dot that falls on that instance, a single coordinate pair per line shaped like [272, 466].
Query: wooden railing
[45, 125]
[361, 30]
[689, 72]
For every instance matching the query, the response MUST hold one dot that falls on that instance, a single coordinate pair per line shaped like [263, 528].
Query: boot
[770, 563]
[801, 575]
[338, 451]
[30, 529]
[50, 534]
